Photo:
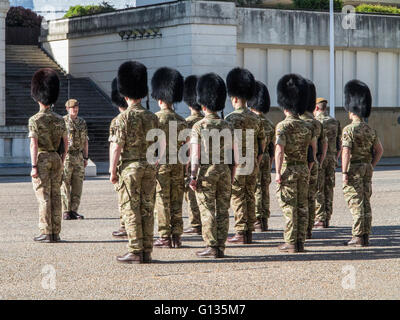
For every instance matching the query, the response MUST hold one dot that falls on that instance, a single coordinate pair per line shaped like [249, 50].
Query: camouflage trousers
[47, 190]
[71, 190]
[121, 217]
[169, 199]
[262, 188]
[193, 208]
[136, 189]
[326, 184]
[293, 199]
[243, 200]
[357, 193]
[213, 196]
[312, 191]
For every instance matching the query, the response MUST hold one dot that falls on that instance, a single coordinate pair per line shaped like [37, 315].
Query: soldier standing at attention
[293, 138]
[212, 182]
[362, 150]
[321, 145]
[75, 162]
[190, 98]
[121, 104]
[46, 129]
[326, 170]
[167, 89]
[241, 86]
[136, 183]
[260, 104]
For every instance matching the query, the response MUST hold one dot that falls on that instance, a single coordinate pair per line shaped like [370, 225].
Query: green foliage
[78, 11]
[377, 9]
[317, 4]
[21, 17]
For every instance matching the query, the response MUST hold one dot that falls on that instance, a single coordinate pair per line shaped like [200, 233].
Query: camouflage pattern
[264, 175]
[214, 187]
[190, 195]
[295, 135]
[170, 181]
[49, 128]
[74, 169]
[326, 172]
[360, 138]
[244, 186]
[136, 186]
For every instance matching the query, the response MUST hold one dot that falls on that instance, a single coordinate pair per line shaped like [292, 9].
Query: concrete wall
[14, 145]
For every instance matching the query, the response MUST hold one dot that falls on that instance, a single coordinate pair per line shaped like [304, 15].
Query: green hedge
[78, 11]
[377, 9]
[317, 4]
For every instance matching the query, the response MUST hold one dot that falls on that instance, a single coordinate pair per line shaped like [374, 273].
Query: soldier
[320, 148]
[241, 85]
[190, 98]
[46, 131]
[136, 183]
[121, 104]
[293, 138]
[326, 170]
[212, 182]
[259, 104]
[361, 151]
[167, 89]
[76, 161]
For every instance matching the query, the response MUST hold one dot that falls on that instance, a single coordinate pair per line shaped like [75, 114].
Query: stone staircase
[95, 106]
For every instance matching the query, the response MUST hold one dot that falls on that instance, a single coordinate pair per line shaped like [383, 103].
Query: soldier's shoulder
[81, 120]
[179, 117]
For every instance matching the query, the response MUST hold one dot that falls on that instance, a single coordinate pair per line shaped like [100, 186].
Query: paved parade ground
[83, 266]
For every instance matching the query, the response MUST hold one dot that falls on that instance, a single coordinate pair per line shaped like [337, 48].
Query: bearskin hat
[240, 83]
[189, 92]
[45, 86]
[167, 85]
[132, 80]
[358, 98]
[292, 92]
[312, 96]
[260, 100]
[116, 97]
[211, 92]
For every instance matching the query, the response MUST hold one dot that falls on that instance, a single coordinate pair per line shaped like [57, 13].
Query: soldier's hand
[193, 184]
[278, 178]
[345, 178]
[34, 173]
[113, 178]
[85, 163]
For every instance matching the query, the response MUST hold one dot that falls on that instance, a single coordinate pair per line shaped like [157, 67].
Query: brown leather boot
[264, 224]
[68, 216]
[193, 230]
[209, 252]
[258, 225]
[286, 247]
[309, 234]
[45, 238]
[147, 257]
[319, 225]
[355, 242]
[163, 243]
[120, 233]
[55, 237]
[326, 224]
[176, 241]
[220, 253]
[77, 215]
[365, 240]
[300, 247]
[239, 238]
[249, 237]
[132, 258]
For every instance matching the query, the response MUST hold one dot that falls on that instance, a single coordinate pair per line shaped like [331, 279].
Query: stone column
[4, 6]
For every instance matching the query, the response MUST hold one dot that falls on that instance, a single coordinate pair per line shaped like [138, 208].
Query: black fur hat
[189, 92]
[358, 98]
[132, 80]
[240, 83]
[312, 96]
[45, 86]
[167, 85]
[116, 97]
[260, 100]
[211, 92]
[292, 92]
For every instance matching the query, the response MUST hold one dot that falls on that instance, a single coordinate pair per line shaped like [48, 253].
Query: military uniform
[190, 195]
[49, 128]
[74, 169]
[136, 186]
[326, 172]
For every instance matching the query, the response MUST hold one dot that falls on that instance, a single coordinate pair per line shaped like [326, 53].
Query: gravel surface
[83, 266]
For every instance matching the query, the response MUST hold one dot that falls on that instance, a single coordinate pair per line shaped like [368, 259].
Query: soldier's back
[269, 129]
[331, 127]
[192, 119]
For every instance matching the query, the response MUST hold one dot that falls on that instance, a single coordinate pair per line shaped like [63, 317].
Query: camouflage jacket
[318, 130]
[333, 132]
[77, 133]
[192, 119]
[269, 130]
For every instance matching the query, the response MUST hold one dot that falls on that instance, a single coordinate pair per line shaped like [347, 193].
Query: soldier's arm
[346, 154]
[339, 141]
[279, 152]
[313, 145]
[34, 155]
[378, 152]
[324, 151]
[86, 152]
[114, 158]
[65, 139]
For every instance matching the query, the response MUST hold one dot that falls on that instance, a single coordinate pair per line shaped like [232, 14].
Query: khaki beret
[319, 100]
[71, 103]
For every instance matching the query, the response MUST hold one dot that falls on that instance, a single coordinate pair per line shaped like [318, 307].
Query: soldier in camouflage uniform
[293, 138]
[46, 131]
[167, 89]
[190, 98]
[322, 145]
[136, 183]
[362, 150]
[260, 104]
[121, 104]
[212, 182]
[326, 171]
[76, 161]
[241, 85]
